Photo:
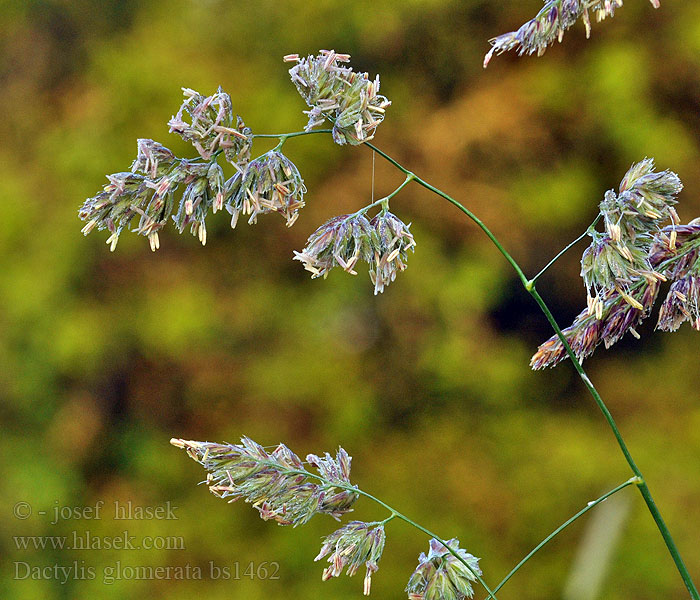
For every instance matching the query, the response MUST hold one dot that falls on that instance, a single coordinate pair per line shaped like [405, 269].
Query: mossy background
[106, 356]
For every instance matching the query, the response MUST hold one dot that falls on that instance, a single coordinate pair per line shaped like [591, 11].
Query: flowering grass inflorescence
[148, 191]
[622, 271]
[352, 546]
[211, 127]
[335, 93]
[276, 483]
[279, 485]
[271, 183]
[554, 18]
[624, 266]
[677, 251]
[382, 242]
[440, 575]
[266, 184]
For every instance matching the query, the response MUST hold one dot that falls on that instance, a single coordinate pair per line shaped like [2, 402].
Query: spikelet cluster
[382, 242]
[625, 264]
[440, 575]
[282, 488]
[148, 191]
[353, 546]
[270, 183]
[146, 194]
[208, 123]
[162, 186]
[677, 252]
[613, 315]
[276, 483]
[348, 100]
[554, 18]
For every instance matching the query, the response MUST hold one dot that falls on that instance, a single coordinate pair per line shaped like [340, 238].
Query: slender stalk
[409, 177]
[530, 287]
[558, 530]
[284, 136]
[565, 250]
[464, 209]
[395, 514]
[398, 515]
[385, 200]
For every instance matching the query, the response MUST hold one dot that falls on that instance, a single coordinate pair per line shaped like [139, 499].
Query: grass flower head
[208, 123]
[354, 545]
[440, 575]
[350, 101]
[549, 25]
[382, 242]
[270, 183]
[276, 483]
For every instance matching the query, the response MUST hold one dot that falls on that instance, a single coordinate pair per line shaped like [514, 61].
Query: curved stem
[409, 177]
[385, 200]
[558, 530]
[389, 518]
[464, 209]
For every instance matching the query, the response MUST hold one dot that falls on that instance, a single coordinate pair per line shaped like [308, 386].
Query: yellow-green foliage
[105, 357]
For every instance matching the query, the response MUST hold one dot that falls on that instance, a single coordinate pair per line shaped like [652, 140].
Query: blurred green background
[106, 356]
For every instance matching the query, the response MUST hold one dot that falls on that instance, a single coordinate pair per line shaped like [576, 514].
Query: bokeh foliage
[106, 356]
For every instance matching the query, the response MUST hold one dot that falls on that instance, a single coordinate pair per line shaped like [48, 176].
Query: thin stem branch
[558, 530]
[385, 200]
[409, 177]
[465, 210]
[565, 250]
[395, 514]
[289, 135]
